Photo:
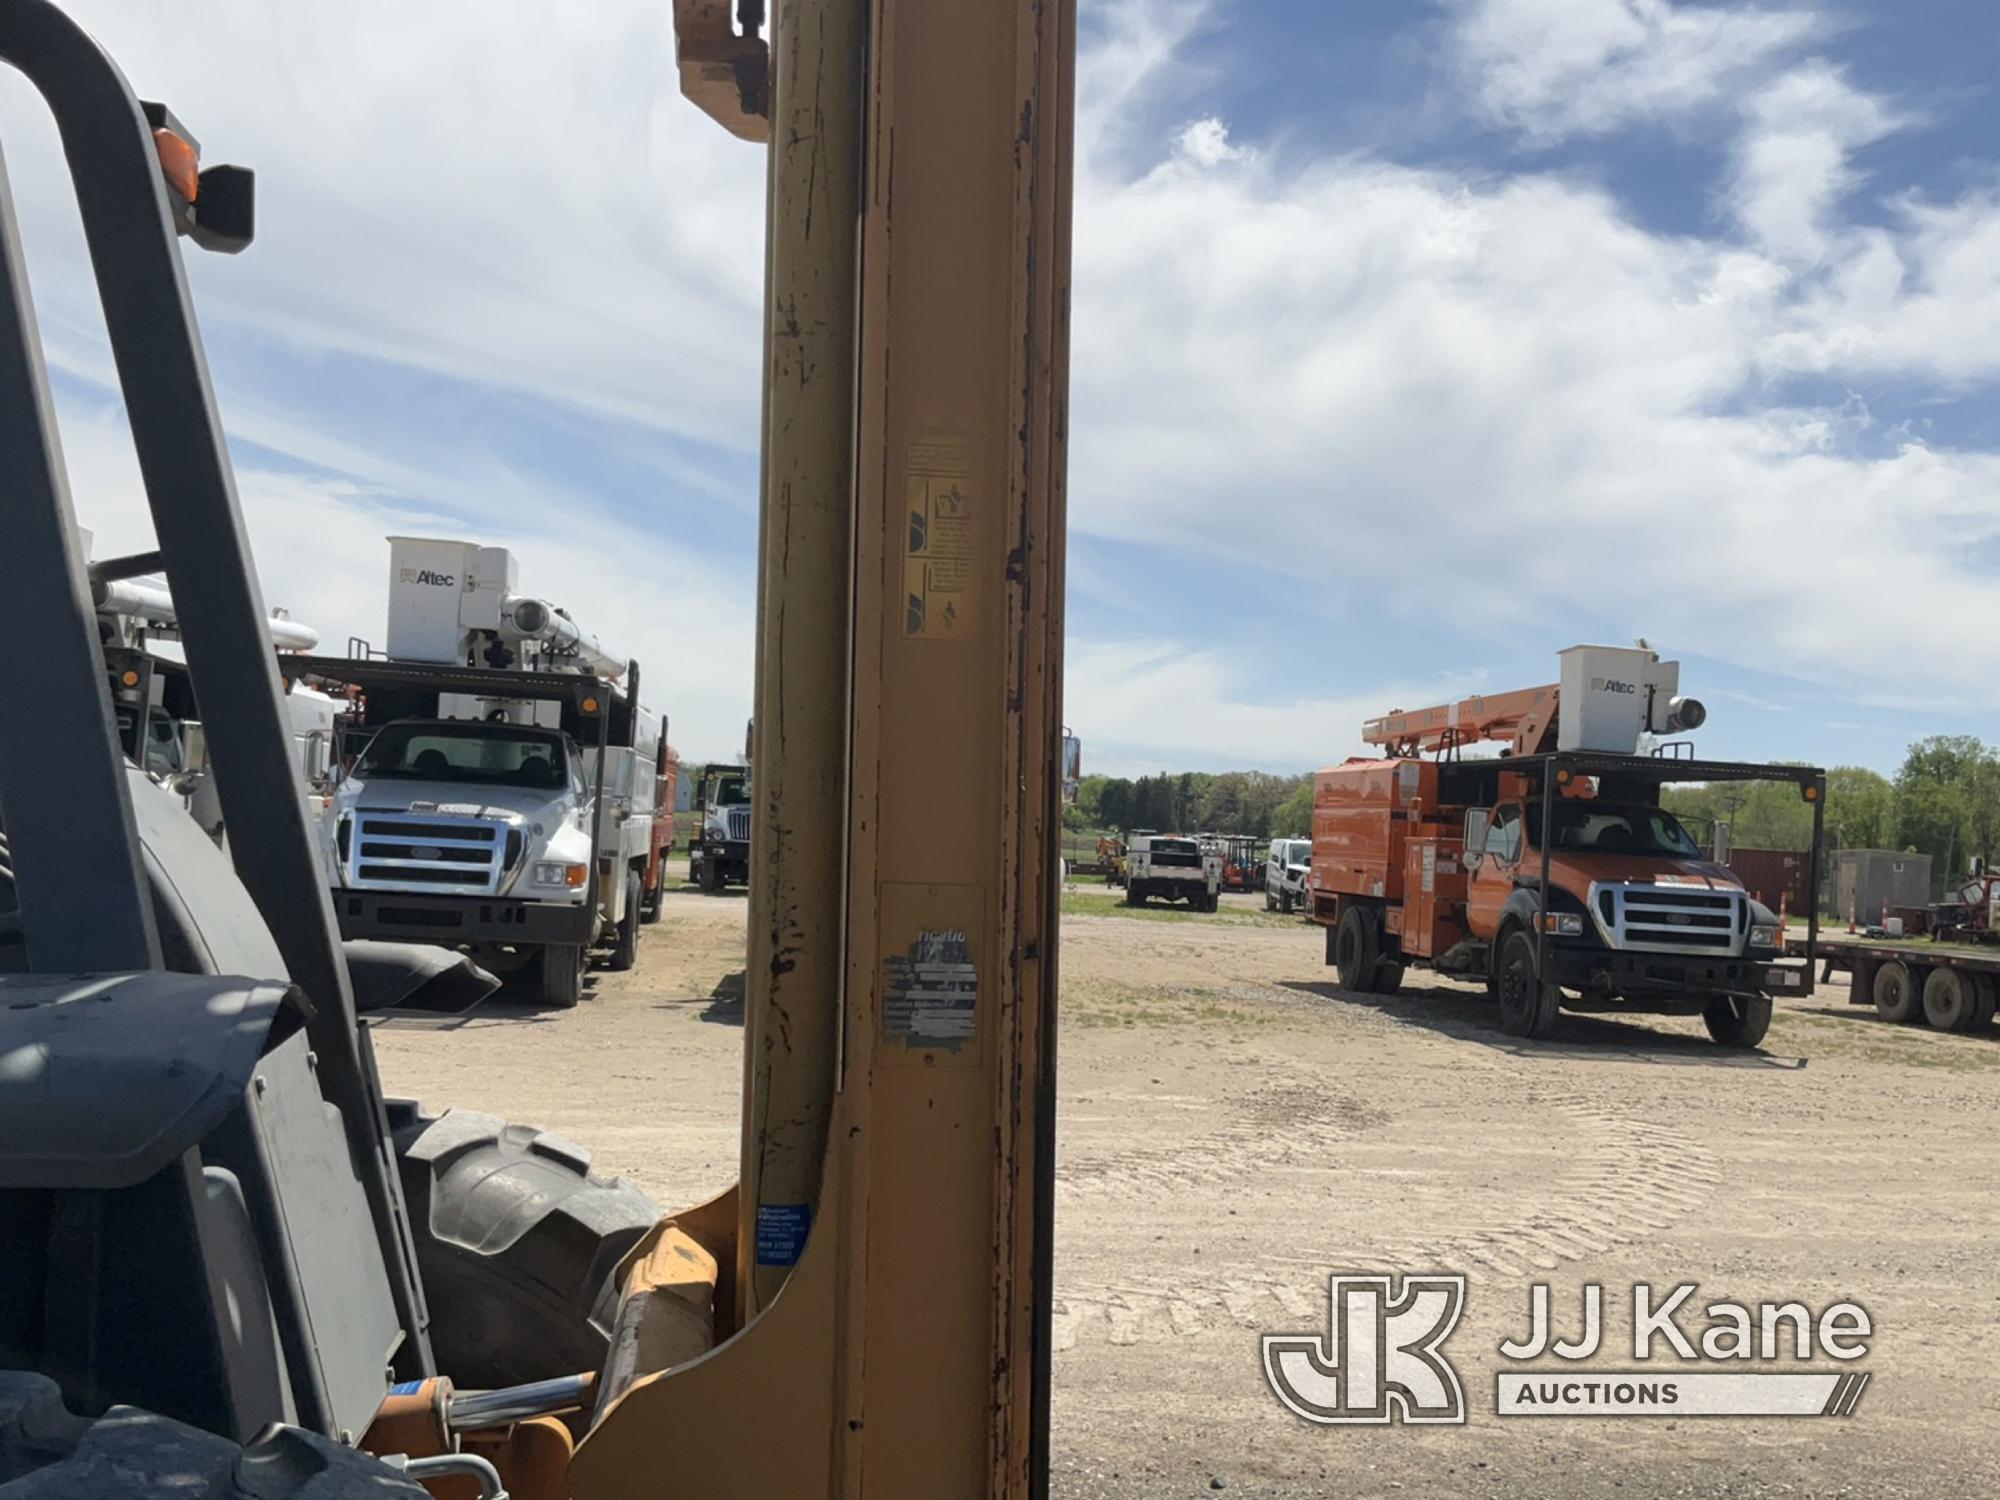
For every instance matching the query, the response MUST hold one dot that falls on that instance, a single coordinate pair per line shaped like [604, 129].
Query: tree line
[1944, 802]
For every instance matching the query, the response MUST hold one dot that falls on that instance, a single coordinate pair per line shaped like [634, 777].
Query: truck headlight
[1764, 937]
[1563, 923]
[554, 872]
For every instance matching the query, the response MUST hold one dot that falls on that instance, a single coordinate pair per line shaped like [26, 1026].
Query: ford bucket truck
[500, 780]
[1550, 872]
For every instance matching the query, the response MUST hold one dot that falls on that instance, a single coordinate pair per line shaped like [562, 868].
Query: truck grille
[1670, 918]
[451, 856]
[739, 825]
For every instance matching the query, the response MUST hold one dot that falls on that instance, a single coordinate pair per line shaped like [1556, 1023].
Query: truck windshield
[732, 790]
[1594, 828]
[491, 754]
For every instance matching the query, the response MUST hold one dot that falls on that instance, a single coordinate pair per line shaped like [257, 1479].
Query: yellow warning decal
[940, 549]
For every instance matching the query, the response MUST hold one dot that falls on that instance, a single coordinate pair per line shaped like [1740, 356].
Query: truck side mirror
[194, 746]
[1477, 821]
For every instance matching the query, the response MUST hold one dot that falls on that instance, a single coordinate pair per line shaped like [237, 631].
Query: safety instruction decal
[940, 545]
[781, 1232]
[930, 995]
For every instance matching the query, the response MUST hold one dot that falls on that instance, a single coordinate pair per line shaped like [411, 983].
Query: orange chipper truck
[1550, 871]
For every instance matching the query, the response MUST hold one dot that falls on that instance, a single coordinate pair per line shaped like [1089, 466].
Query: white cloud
[1142, 707]
[1792, 159]
[1558, 68]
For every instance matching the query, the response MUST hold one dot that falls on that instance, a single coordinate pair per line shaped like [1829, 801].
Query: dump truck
[500, 777]
[1551, 873]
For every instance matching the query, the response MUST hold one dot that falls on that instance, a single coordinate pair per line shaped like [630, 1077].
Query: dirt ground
[1234, 1128]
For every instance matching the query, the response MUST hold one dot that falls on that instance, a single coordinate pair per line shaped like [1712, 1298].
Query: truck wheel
[1388, 977]
[1736, 1022]
[562, 975]
[655, 903]
[1133, 897]
[1270, 901]
[1950, 999]
[517, 1243]
[1985, 994]
[1897, 997]
[1528, 1007]
[1356, 949]
[625, 951]
[710, 877]
[1285, 902]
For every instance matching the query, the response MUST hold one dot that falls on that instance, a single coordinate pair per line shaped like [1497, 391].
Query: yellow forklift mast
[881, 1275]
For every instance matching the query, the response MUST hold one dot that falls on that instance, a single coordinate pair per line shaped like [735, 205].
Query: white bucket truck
[498, 781]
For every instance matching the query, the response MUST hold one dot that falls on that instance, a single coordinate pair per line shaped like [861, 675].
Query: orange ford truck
[1550, 871]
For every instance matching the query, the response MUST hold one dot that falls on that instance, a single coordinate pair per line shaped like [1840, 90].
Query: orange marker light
[575, 875]
[590, 705]
[178, 163]
[130, 678]
[1812, 794]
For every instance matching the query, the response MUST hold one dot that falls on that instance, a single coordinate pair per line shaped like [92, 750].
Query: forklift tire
[1738, 1023]
[1528, 1007]
[518, 1244]
[654, 904]
[1357, 949]
[625, 948]
[561, 968]
[1896, 993]
[1951, 999]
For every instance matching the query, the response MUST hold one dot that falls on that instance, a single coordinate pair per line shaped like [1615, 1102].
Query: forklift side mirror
[1477, 821]
[194, 747]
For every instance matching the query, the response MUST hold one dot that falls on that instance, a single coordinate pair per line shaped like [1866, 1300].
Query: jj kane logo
[1381, 1358]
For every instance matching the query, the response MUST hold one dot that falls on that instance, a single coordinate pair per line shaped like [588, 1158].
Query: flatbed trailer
[1950, 986]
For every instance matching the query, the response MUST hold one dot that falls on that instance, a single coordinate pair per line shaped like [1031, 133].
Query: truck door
[1493, 877]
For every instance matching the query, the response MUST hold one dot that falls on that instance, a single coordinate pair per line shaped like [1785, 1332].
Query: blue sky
[1414, 341]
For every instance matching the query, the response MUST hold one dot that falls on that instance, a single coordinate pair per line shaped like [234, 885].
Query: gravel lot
[1235, 1127]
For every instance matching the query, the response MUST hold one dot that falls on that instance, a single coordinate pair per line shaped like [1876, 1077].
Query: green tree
[1293, 817]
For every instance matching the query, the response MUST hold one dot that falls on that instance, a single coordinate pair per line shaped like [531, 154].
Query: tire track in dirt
[1629, 1178]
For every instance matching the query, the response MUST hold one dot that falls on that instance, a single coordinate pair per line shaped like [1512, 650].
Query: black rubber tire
[1738, 1023]
[517, 1241]
[560, 968]
[1132, 897]
[1285, 902]
[1388, 977]
[1897, 995]
[1528, 1007]
[654, 905]
[1951, 999]
[710, 877]
[1356, 950]
[1270, 901]
[1986, 992]
[625, 949]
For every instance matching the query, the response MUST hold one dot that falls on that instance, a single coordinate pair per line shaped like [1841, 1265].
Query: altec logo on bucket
[1382, 1359]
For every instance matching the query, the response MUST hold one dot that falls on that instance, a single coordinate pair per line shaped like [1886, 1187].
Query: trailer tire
[1735, 1022]
[625, 947]
[1951, 1000]
[1985, 994]
[561, 970]
[1528, 1005]
[518, 1244]
[1896, 992]
[1357, 949]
